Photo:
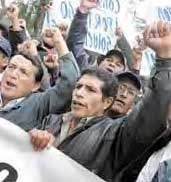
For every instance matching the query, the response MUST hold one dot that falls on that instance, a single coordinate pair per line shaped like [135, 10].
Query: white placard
[20, 163]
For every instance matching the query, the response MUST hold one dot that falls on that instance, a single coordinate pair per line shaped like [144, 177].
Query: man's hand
[55, 37]
[46, 7]
[41, 139]
[28, 47]
[140, 43]
[63, 27]
[119, 32]
[54, 34]
[51, 61]
[13, 12]
[158, 37]
[87, 5]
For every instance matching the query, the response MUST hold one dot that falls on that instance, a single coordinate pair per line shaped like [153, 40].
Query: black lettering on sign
[67, 10]
[12, 176]
[164, 13]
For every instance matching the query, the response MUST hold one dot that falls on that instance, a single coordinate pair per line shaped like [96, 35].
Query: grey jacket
[107, 146]
[30, 112]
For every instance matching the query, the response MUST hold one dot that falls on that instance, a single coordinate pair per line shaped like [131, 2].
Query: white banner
[102, 21]
[20, 163]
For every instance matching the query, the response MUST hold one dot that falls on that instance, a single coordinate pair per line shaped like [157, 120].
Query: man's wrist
[83, 9]
[164, 55]
[58, 41]
[14, 20]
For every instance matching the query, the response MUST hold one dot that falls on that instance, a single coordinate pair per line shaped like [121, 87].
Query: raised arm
[124, 46]
[149, 121]
[54, 100]
[17, 32]
[78, 31]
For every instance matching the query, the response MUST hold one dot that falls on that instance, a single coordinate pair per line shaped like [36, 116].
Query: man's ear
[36, 87]
[108, 102]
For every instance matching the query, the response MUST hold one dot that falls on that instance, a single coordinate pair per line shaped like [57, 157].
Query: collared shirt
[66, 126]
[10, 104]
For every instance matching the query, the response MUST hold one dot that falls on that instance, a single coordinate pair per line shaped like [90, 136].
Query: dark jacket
[130, 172]
[30, 112]
[107, 146]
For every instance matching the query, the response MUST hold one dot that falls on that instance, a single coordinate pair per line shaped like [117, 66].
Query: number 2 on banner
[10, 176]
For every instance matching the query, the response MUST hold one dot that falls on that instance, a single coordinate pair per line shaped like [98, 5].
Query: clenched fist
[157, 36]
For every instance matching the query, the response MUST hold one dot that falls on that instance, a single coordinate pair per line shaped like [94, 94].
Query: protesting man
[127, 95]
[20, 103]
[95, 141]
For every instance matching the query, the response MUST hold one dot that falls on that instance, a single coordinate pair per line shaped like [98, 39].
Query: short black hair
[36, 61]
[110, 82]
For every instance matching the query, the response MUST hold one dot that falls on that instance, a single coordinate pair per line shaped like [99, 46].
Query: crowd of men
[102, 114]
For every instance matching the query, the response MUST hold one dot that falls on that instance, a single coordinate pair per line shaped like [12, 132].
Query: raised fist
[12, 12]
[63, 27]
[28, 47]
[51, 61]
[119, 32]
[157, 36]
[51, 36]
[87, 5]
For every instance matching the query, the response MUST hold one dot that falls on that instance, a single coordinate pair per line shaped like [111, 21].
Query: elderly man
[127, 94]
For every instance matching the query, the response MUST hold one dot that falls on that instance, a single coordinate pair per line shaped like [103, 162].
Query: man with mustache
[20, 102]
[94, 140]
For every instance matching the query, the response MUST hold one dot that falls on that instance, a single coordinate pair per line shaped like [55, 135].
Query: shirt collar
[67, 117]
[11, 103]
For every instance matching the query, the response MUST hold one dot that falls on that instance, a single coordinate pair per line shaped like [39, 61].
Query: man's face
[18, 79]
[112, 64]
[125, 97]
[3, 61]
[87, 97]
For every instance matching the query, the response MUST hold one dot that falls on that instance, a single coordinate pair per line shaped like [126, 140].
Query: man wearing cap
[113, 61]
[128, 90]
[108, 148]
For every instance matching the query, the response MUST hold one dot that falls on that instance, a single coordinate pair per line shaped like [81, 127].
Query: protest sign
[102, 21]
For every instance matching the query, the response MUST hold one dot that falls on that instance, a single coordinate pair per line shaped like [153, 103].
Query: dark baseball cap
[5, 46]
[115, 53]
[132, 77]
